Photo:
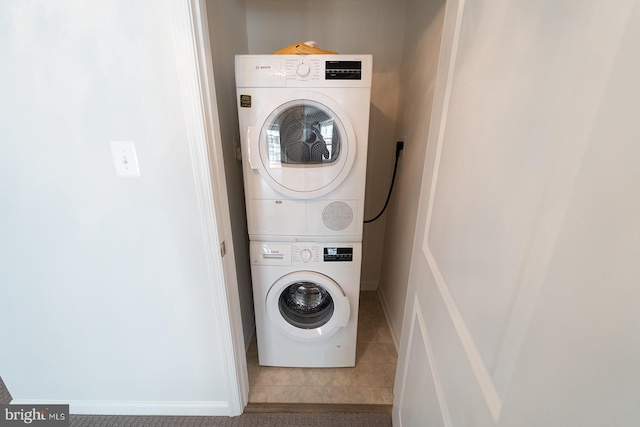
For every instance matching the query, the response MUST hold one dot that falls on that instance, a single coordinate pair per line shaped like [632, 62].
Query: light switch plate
[124, 158]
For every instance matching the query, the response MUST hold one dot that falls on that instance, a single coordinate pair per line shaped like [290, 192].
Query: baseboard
[177, 408]
[343, 408]
[369, 285]
[385, 309]
[248, 335]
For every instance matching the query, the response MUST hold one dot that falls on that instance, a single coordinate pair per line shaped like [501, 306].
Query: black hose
[399, 147]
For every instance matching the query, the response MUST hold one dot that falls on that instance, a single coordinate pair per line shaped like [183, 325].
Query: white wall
[422, 36]
[228, 36]
[352, 26]
[106, 295]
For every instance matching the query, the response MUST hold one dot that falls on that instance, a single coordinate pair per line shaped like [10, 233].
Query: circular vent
[337, 216]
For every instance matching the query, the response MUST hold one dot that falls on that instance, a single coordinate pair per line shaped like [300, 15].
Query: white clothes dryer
[304, 124]
[306, 303]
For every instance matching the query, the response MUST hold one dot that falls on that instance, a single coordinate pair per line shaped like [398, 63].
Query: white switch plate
[124, 158]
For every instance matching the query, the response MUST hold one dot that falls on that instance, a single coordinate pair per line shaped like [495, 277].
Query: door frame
[195, 67]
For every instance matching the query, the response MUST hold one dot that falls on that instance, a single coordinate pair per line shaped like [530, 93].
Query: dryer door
[306, 145]
[307, 306]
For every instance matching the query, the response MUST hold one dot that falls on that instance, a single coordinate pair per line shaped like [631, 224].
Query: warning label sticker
[245, 101]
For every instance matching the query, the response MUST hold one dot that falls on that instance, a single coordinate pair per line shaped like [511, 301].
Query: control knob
[305, 255]
[303, 69]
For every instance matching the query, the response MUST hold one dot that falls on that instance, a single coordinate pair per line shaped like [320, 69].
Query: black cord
[399, 147]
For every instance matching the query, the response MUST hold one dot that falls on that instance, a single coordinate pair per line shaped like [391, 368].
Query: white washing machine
[304, 124]
[306, 303]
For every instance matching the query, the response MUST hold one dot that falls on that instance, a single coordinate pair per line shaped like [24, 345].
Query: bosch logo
[263, 67]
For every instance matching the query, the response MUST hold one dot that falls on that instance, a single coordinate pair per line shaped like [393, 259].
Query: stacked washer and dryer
[304, 122]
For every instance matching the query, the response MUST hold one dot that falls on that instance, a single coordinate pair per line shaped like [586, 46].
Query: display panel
[343, 70]
[338, 254]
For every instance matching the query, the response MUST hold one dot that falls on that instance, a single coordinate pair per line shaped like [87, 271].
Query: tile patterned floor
[369, 382]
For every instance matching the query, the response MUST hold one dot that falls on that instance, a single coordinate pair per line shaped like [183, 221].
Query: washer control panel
[339, 254]
[305, 253]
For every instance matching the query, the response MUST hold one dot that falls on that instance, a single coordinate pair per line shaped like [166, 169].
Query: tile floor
[369, 382]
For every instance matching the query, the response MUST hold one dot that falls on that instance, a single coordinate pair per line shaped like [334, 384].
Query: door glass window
[306, 305]
[302, 134]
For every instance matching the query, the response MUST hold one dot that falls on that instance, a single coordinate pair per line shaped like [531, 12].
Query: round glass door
[306, 305]
[306, 146]
[302, 134]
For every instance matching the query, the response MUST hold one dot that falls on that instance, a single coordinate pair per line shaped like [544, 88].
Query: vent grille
[337, 216]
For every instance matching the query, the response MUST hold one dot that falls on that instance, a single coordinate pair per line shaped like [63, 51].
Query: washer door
[305, 147]
[307, 306]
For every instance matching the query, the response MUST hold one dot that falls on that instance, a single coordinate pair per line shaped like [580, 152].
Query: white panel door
[529, 97]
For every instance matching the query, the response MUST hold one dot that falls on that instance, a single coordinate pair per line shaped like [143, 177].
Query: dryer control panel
[343, 70]
[303, 69]
[310, 71]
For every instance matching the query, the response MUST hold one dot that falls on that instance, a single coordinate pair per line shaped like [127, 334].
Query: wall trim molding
[483, 377]
[385, 308]
[418, 317]
[248, 335]
[108, 407]
[487, 386]
[442, 123]
[196, 75]
[369, 285]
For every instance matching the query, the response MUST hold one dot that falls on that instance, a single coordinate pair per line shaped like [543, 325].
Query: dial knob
[305, 255]
[303, 69]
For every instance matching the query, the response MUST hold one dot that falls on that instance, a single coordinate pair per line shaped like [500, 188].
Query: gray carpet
[5, 397]
[244, 420]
